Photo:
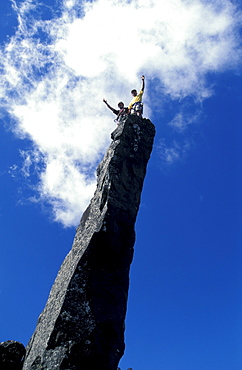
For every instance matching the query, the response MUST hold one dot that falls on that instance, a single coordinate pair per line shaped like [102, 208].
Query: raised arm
[143, 83]
[115, 111]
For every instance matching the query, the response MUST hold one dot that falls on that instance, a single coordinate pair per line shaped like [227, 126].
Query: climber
[120, 113]
[136, 106]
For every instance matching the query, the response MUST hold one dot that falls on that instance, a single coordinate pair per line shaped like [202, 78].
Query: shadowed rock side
[82, 325]
[11, 355]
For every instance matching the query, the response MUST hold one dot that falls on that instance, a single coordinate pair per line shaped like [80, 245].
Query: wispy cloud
[182, 120]
[170, 153]
[55, 72]
[12, 170]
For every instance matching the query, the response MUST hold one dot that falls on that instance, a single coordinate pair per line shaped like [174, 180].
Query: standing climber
[136, 106]
[120, 113]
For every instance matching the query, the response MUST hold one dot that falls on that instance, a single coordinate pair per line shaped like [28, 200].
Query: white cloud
[27, 162]
[53, 82]
[182, 120]
[12, 170]
[170, 153]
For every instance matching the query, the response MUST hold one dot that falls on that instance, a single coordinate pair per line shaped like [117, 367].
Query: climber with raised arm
[136, 106]
[120, 113]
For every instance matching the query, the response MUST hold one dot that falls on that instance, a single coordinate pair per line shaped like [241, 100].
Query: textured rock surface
[82, 325]
[11, 355]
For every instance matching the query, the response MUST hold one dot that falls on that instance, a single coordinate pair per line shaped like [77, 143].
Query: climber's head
[121, 105]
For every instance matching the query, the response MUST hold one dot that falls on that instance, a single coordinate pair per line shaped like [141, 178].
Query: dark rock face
[82, 325]
[11, 355]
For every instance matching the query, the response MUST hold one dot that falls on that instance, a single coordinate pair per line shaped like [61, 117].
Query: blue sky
[184, 309]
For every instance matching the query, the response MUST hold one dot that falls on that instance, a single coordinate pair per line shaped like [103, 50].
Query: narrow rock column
[82, 325]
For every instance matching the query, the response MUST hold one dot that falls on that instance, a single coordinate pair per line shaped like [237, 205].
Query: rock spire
[82, 325]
